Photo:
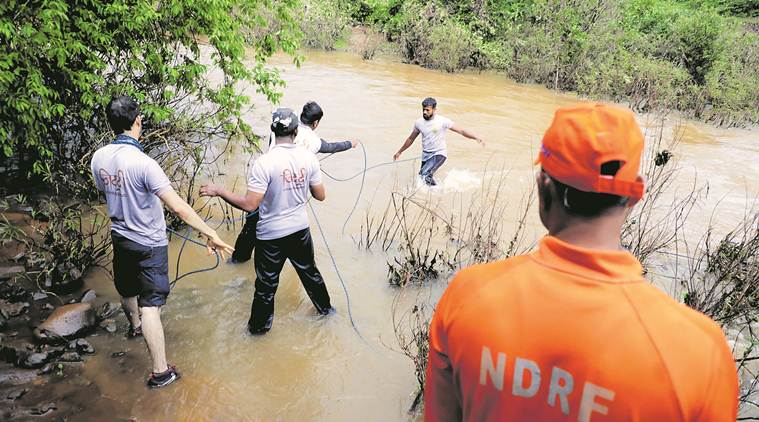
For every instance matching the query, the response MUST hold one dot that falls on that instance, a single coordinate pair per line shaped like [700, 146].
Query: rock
[16, 394]
[117, 354]
[48, 368]
[70, 357]
[109, 325]
[66, 321]
[81, 345]
[15, 376]
[43, 410]
[9, 271]
[12, 292]
[35, 360]
[10, 310]
[107, 310]
[39, 296]
[88, 296]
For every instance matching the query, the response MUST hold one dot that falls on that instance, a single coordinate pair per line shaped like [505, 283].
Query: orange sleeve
[441, 400]
[721, 401]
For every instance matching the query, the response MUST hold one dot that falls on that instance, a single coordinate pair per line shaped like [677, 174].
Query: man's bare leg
[152, 330]
[129, 305]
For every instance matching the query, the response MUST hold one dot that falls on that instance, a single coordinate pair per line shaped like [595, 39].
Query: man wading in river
[133, 183]
[280, 181]
[432, 126]
[572, 331]
[310, 117]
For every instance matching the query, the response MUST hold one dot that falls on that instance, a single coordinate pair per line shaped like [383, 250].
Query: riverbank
[45, 338]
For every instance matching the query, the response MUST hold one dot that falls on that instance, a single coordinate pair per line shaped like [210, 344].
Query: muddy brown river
[313, 368]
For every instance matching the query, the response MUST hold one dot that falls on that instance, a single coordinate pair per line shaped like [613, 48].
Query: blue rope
[177, 277]
[340, 277]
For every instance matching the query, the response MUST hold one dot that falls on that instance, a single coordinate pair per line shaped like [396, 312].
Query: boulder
[66, 321]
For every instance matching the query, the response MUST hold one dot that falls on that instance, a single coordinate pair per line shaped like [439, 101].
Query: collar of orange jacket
[602, 265]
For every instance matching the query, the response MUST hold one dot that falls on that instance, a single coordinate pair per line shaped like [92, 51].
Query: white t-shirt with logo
[284, 174]
[306, 138]
[131, 182]
[433, 135]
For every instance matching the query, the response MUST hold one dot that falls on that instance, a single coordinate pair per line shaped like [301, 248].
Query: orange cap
[583, 137]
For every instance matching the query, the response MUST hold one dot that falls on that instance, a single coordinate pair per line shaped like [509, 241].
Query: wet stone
[12, 292]
[81, 346]
[10, 310]
[16, 376]
[109, 325]
[67, 320]
[36, 360]
[48, 368]
[88, 296]
[16, 394]
[10, 271]
[43, 410]
[70, 357]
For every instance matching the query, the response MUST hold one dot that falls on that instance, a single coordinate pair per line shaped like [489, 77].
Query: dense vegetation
[61, 63]
[700, 57]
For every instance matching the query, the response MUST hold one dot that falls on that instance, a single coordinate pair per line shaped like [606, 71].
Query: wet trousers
[269, 258]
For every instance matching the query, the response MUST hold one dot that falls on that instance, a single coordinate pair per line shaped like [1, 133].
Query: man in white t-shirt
[135, 187]
[432, 126]
[310, 117]
[279, 184]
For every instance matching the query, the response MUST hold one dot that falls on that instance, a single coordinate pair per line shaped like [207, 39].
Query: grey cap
[283, 122]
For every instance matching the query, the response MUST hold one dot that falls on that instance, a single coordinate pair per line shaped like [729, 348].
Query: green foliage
[62, 64]
[324, 23]
[689, 55]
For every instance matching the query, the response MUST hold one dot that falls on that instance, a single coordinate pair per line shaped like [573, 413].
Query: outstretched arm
[248, 202]
[467, 134]
[189, 216]
[333, 147]
[407, 143]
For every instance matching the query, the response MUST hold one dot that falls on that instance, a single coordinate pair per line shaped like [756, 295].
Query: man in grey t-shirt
[307, 138]
[134, 186]
[432, 126]
[279, 184]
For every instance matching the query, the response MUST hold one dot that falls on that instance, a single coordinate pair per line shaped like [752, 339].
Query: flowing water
[313, 368]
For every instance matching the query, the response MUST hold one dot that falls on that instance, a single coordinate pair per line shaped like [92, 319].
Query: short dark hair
[122, 112]
[589, 204]
[429, 101]
[311, 113]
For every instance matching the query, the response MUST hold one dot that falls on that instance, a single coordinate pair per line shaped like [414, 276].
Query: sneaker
[134, 332]
[164, 378]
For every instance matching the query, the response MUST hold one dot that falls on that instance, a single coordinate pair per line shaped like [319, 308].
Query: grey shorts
[141, 271]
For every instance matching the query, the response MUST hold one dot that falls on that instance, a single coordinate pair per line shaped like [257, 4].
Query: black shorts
[141, 271]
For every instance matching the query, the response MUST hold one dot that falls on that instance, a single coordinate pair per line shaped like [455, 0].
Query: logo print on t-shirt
[112, 184]
[291, 181]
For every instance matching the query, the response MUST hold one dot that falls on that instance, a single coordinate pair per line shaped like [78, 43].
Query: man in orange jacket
[572, 331]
